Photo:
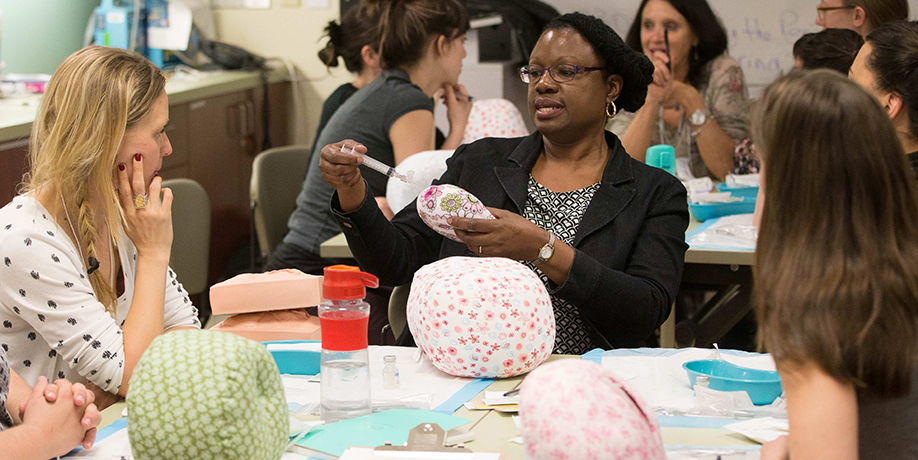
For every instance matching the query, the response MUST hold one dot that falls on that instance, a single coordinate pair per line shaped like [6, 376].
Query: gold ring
[140, 201]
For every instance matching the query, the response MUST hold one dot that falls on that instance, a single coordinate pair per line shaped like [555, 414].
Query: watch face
[545, 252]
[698, 118]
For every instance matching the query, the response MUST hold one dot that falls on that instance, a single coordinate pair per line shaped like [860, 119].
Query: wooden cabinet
[214, 141]
[13, 164]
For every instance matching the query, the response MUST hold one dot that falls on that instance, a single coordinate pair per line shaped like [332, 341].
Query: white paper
[174, 37]
[761, 430]
[662, 381]
[317, 346]
[735, 231]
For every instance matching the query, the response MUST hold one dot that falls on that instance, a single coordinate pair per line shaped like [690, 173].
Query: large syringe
[377, 165]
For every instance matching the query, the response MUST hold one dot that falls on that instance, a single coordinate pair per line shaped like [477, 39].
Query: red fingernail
[137, 157]
[121, 167]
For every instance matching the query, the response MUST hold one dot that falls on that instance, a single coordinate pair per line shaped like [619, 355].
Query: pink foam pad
[277, 290]
[273, 325]
[577, 409]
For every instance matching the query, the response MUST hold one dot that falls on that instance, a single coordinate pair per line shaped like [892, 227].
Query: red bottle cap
[344, 282]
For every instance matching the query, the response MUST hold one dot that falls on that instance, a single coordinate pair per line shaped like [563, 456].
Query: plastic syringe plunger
[379, 166]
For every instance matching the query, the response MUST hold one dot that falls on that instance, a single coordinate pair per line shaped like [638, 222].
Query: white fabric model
[52, 324]
[486, 317]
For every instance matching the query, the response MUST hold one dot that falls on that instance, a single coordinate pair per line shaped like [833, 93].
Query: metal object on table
[427, 439]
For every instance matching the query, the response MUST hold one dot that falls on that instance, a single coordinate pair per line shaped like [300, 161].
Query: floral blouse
[727, 99]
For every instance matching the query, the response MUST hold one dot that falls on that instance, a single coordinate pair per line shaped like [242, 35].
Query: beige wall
[292, 34]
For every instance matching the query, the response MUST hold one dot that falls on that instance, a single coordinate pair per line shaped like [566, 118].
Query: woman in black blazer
[605, 232]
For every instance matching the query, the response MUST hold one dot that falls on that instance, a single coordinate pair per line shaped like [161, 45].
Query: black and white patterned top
[560, 213]
[50, 321]
[5, 420]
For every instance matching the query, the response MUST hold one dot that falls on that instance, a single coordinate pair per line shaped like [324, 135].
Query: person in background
[830, 49]
[60, 417]
[836, 280]
[698, 102]
[887, 67]
[421, 48]
[604, 232]
[85, 248]
[354, 41]
[861, 16]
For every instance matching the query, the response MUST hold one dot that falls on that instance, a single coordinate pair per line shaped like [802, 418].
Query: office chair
[277, 178]
[191, 236]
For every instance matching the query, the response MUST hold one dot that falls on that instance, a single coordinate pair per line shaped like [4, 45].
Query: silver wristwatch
[699, 117]
[546, 252]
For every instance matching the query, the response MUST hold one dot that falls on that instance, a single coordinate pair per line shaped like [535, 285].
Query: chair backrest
[277, 178]
[398, 309]
[191, 233]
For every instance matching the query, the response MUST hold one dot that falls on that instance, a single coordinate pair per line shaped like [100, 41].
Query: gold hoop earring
[614, 111]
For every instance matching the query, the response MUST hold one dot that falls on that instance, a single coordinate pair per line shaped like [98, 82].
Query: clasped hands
[65, 409]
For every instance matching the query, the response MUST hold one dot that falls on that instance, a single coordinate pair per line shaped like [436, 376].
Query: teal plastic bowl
[742, 192]
[296, 362]
[762, 386]
[703, 212]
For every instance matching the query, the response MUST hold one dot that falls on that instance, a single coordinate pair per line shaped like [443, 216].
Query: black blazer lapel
[514, 178]
[616, 191]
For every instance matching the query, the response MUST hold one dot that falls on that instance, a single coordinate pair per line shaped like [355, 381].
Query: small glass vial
[702, 381]
[390, 373]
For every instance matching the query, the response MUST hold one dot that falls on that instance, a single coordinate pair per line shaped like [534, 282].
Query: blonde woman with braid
[84, 249]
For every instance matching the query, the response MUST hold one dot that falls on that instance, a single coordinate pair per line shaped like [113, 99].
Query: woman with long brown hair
[836, 273]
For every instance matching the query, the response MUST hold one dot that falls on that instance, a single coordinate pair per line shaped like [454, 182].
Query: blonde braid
[105, 293]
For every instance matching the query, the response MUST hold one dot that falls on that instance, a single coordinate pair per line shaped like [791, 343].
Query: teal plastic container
[296, 362]
[663, 157]
[763, 387]
[704, 211]
[742, 192]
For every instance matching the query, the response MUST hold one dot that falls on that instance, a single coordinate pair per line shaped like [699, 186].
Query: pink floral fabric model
[494, 118]
[481, 317]
[576, 409]
[440, 202]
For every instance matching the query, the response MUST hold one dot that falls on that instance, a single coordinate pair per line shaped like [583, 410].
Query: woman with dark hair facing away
[612, 259]
[698, 102]
[836, 272]
[830, 49]
[421, 47]
[861, 16]
[354, 41]
[887, 67]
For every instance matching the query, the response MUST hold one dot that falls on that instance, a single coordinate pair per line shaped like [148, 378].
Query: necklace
[92, 262]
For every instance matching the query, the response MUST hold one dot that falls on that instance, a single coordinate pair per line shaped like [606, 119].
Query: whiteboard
[761, 33]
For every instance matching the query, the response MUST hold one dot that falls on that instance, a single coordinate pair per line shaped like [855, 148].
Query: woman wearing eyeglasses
[861, 16]
[698, 102]
[603, 231]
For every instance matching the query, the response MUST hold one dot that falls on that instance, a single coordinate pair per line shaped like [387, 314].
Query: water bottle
[662, 156]
[345, 365]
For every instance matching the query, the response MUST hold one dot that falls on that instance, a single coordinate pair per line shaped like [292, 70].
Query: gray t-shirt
[366, 117]
[888, 427]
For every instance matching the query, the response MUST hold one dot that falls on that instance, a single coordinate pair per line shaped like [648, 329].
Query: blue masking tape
[680, 421]
[704, 226]
[469, 391]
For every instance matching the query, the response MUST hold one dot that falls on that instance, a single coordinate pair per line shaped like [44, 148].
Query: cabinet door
[13, 164]
[218, 159]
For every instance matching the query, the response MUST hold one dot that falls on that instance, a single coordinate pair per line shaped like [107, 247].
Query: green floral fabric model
[206, 395]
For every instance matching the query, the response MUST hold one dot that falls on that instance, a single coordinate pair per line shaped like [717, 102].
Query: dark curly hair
[712, 37]
[618, 58]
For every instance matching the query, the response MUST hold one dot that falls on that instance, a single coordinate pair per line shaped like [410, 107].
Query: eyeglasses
[560, 73]
[822, 10]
